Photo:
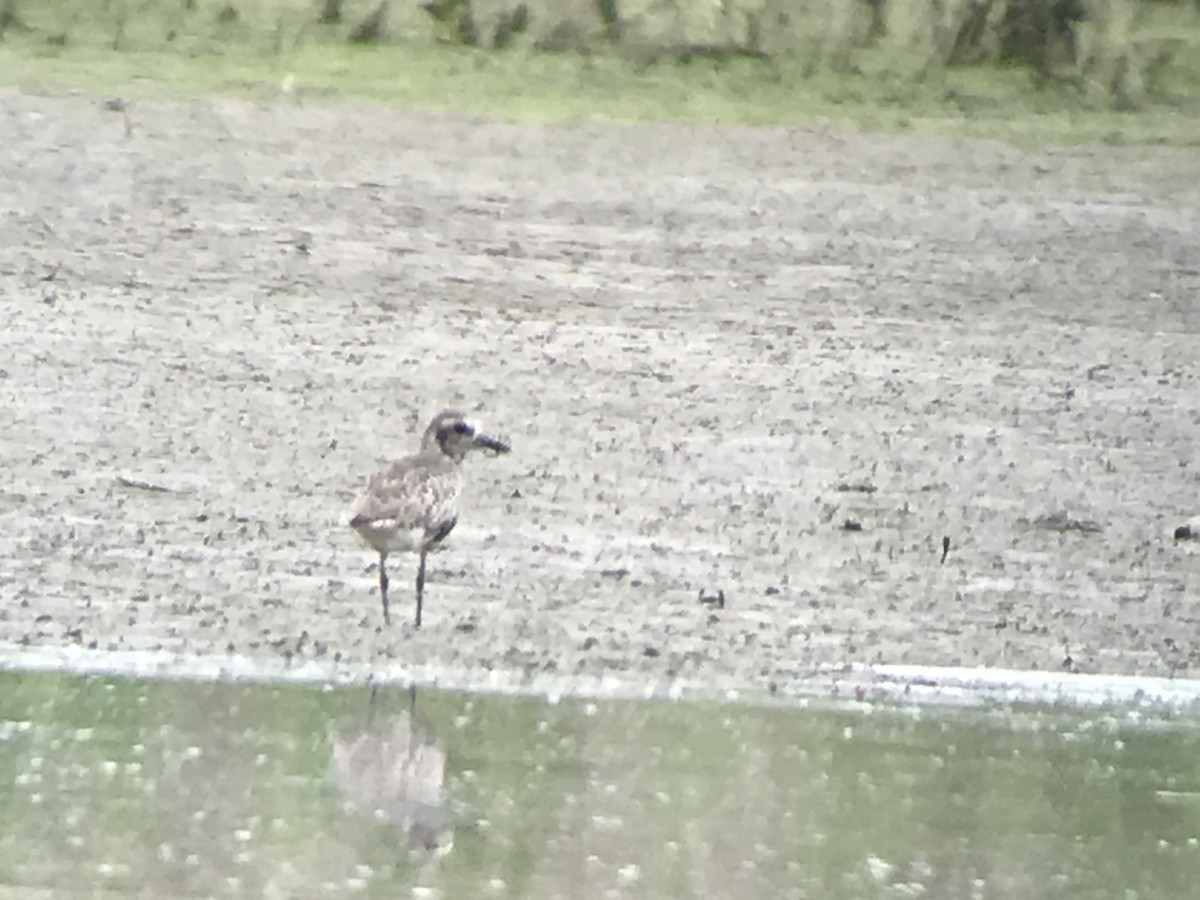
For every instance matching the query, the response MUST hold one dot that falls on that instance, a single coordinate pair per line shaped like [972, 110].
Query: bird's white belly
[390, 537]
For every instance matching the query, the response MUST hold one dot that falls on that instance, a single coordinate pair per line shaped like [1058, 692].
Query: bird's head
[456, 437]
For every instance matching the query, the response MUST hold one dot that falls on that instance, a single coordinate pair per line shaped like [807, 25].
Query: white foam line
[948, 684]
[920, 685]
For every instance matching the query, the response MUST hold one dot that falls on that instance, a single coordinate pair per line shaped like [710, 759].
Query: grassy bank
[693, 69]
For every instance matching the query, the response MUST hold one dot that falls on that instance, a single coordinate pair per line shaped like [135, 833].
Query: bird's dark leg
[383, 586]
[420, 585]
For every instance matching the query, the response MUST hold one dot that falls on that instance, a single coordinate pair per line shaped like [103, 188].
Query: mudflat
[781, 364]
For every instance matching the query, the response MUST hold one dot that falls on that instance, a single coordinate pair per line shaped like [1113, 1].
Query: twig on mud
[137, 485]
[48, 231]
[1060, 521]
[857, 487]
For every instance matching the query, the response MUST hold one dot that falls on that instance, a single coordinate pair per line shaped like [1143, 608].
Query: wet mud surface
[779, 364]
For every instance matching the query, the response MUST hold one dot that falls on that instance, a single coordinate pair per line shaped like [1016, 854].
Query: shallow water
[184, 789]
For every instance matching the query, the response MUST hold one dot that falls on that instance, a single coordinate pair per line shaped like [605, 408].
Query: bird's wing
[408, 497]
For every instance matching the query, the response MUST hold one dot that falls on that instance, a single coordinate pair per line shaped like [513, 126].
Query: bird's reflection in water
[394, 771]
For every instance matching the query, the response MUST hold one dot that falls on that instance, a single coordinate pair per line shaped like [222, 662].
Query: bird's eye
[462, 427]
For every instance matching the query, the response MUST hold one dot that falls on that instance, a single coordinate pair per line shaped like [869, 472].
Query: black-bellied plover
[412, 505]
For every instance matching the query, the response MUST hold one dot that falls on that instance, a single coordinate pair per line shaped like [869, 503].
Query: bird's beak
[489, 443]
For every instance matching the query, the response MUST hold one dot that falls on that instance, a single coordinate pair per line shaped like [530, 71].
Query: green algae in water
[264, 790]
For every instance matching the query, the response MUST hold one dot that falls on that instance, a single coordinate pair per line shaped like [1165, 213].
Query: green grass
[889, 89]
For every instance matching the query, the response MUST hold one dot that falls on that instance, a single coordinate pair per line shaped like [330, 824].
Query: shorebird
[411, 506]
[1189, 530]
